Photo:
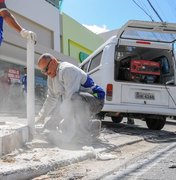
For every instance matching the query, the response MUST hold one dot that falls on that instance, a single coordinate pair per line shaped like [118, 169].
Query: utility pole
[30, 86]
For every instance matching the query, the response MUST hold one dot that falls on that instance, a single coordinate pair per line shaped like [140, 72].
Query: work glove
[28, 34]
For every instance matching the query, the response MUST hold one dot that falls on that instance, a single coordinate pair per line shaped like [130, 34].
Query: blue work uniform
[2, 6]
[24, 82]
[1, 29]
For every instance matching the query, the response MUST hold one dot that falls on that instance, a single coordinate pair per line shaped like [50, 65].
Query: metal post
[30, 87]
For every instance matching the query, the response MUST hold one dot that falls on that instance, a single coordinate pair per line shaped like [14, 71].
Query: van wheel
[155, 124]
[117, 119]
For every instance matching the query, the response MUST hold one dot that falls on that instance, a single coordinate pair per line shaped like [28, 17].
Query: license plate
[144, 95]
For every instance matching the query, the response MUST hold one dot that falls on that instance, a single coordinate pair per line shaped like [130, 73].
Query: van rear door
[145, 95]
[148, 31]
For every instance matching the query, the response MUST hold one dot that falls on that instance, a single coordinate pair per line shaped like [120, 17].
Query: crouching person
[72, 99]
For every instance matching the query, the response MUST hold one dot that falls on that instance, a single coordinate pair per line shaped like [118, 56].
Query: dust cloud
[11, 98]
[70, 125]
[12, 103]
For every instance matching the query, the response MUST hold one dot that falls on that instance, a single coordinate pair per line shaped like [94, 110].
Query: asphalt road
[156, 164]
[154, 158]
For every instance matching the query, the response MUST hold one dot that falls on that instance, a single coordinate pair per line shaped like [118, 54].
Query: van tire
[117, 119]
[155, 124]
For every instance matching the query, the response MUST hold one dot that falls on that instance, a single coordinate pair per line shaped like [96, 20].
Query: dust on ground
[93, 168]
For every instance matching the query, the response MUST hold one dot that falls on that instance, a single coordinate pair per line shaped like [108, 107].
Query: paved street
[157, 164]
[132, 156]
[118, 147]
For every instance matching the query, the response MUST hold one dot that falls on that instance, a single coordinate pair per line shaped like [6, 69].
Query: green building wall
[77, 41]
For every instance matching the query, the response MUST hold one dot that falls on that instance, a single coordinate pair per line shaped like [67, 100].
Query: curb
[12, 136]
[37, 170]
[61, 159]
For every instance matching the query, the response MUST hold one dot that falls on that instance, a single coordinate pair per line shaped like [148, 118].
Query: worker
[24, 81]
[12, 22]
[74, 96]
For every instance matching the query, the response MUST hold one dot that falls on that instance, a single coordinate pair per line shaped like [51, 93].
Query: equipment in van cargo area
[140, 70]
[144, 71]
[137, 69]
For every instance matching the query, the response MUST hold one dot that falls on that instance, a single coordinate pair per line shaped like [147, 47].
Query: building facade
[77, 41]
[53, 35]
[32, 15]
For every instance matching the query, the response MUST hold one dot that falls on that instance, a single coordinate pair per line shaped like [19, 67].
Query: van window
[95, 61]
[85, 66]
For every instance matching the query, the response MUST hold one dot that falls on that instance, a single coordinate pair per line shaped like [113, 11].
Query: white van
[137, 70]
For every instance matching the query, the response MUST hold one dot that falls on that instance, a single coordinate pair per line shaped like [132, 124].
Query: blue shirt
[24, 82]
[1, 29]
[2, 6]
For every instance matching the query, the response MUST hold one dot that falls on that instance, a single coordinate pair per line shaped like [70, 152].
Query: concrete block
[15, 140]
[10, 142]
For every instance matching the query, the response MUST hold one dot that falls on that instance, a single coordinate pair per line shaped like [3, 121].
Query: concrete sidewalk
[14, 133]
[38, 157]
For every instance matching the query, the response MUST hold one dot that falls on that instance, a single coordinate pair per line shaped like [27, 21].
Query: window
[56, 3]
[95, 61]
[85, 66]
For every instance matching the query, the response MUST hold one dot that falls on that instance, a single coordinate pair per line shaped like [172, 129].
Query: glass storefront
[12, 97]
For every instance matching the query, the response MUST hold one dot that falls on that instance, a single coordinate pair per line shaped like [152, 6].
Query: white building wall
[40, 12]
